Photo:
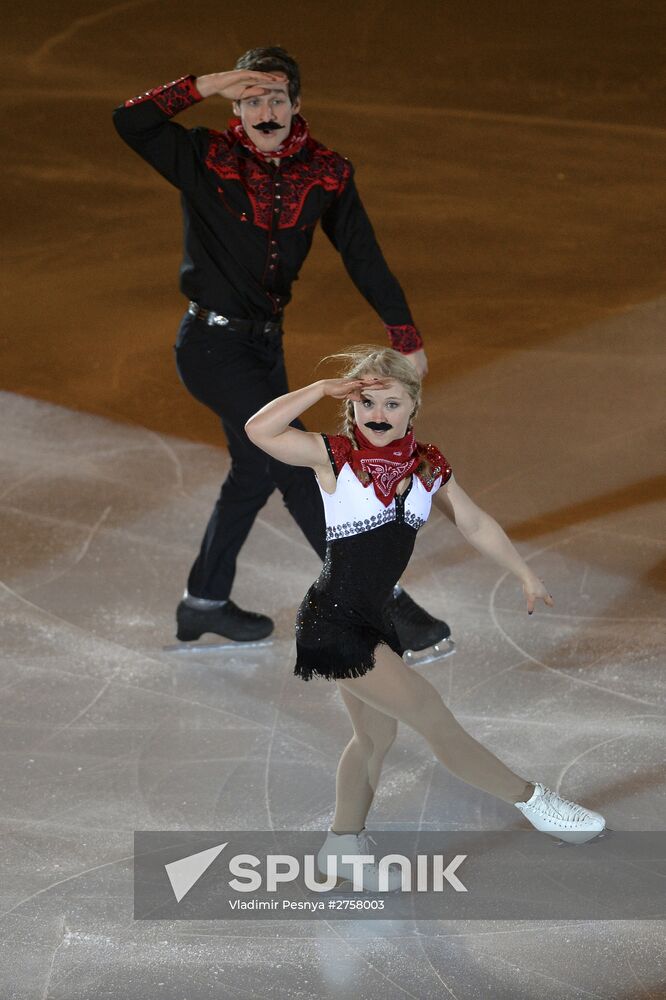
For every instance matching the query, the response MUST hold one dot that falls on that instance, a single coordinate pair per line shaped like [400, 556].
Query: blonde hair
[367, 359]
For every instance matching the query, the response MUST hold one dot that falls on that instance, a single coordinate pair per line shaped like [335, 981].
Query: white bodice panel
[355, 508]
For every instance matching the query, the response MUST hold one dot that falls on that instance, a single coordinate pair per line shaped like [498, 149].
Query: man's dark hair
[270, 58]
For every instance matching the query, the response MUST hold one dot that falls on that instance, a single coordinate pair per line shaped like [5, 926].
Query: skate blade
[581, 839]
[216, 647]
[441, 649]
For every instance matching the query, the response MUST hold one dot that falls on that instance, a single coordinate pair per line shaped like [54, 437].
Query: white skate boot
[550, 813]
[336, 845]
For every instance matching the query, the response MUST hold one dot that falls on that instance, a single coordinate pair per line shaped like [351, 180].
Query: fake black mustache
[379, 427]
[267, 127]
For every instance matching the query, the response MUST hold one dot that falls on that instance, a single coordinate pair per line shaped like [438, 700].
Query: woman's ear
[235, 107]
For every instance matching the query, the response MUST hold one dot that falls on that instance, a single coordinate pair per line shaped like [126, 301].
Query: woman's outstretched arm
[484, 533]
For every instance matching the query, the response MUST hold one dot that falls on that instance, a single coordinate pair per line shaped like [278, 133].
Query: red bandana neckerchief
[387, 466]
[298, 136]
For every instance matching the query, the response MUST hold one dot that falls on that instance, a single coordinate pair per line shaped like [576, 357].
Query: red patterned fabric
[436, 465]
[298, 136]
[387, 466]
[341, 449]
[405, 339]
[297, 178]
[171, 97]
[433, 462]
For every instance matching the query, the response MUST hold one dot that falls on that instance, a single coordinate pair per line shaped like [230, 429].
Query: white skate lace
[554, 805]
[364, 842]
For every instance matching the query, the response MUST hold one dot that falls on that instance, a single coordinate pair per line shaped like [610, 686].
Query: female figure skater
[377, 484]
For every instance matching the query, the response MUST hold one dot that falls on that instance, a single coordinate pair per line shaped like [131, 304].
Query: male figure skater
[251, 198]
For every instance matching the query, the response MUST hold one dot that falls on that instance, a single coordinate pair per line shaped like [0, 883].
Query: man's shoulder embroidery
[335, 169]
[324, 168]
[219, 158]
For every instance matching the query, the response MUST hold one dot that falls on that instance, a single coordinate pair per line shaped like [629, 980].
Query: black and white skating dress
[341, 619]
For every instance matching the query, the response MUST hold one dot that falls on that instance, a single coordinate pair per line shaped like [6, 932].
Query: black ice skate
[423, 637]
[227, 620]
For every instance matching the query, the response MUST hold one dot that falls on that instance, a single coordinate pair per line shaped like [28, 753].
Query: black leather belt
[238, 325]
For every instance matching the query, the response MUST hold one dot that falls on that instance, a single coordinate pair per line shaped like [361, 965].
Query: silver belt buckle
[212, 319]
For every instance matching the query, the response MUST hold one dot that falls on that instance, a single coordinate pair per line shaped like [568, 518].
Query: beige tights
[390, 693]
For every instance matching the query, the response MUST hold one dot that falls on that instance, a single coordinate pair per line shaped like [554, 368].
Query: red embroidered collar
[298, 136]
[387, 466]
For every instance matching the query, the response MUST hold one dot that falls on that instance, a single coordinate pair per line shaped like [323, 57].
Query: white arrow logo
[186, 872]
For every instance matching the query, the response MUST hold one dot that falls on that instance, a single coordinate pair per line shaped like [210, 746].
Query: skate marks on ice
[566, 624]
[217, 727]
[222, 724]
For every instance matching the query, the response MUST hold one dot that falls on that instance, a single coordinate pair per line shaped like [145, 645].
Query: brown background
[511, 155]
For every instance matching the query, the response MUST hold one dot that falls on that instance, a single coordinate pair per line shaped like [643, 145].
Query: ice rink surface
[515, 168]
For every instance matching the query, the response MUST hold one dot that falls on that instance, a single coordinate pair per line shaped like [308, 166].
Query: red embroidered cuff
[171, 97]
[405, 339]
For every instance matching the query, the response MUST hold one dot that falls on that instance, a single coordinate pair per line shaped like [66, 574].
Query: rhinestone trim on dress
[369, 523]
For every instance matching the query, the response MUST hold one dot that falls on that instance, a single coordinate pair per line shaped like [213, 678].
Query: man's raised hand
[235, 84]
[420, 362]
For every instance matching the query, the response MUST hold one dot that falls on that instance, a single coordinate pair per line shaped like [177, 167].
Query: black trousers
[235, 374]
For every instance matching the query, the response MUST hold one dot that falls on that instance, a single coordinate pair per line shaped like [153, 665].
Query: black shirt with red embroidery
[248, 225]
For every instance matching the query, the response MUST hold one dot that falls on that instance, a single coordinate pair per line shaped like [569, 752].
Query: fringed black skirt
[343, 616]
[336, 641]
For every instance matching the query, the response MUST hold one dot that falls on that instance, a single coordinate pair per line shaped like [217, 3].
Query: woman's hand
[534, 591]
[350, 388]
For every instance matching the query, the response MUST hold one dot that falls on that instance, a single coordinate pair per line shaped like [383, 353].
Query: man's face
[267, 119]
[383, 414]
